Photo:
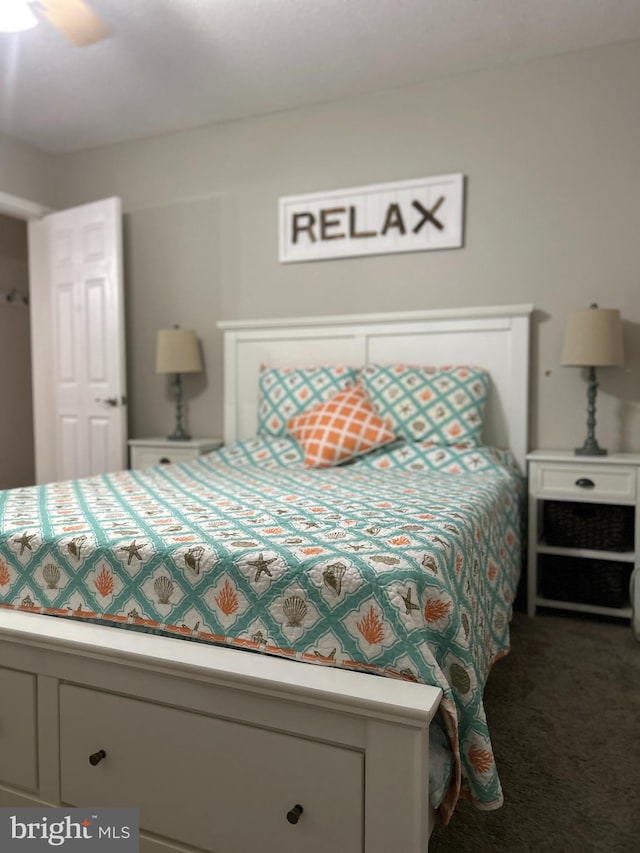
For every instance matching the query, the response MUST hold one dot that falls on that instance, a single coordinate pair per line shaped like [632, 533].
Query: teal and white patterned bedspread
[386, 565]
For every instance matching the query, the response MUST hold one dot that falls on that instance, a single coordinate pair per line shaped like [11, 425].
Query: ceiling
[173, 64]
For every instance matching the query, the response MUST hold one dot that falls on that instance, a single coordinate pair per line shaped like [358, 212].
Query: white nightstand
[144, 452]
[584, 531]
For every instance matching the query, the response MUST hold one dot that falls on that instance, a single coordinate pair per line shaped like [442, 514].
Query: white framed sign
[402, 216]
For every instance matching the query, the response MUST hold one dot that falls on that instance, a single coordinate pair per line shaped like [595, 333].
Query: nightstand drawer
[143, 457]
[145, 452]
[586, 482]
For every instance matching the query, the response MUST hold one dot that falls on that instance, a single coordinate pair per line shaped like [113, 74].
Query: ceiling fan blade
[76, 20]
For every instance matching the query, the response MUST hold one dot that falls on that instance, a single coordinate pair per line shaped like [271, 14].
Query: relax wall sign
[403, 216]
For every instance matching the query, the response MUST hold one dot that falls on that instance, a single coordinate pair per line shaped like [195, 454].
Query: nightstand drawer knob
[97, 757]
[585, 483]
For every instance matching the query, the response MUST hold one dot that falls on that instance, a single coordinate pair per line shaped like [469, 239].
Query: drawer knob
[585, 483]
[97, 757]
[165, 461]
[293, 815]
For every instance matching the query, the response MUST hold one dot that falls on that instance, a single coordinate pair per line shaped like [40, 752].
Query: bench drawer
[18, 730]
[212, 783]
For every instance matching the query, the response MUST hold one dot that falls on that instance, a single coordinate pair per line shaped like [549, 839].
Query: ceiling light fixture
[15, 16]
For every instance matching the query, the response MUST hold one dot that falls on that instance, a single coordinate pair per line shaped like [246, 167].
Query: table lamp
[178, 352]
[593, 338]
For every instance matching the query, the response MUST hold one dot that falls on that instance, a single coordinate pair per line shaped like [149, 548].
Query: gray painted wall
[550, 150]
[25, 171]
[16, 420]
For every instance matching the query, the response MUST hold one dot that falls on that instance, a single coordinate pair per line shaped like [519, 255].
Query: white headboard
[496, 339]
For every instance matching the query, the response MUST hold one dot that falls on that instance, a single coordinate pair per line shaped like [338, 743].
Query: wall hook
[15, 296]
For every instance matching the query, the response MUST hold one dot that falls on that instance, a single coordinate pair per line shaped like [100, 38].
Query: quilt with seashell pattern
[403, 564]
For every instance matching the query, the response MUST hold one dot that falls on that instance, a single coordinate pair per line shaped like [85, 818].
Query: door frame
[40, 330]
[22, 208]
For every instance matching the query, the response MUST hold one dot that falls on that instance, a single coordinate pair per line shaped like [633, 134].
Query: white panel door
[85, 272]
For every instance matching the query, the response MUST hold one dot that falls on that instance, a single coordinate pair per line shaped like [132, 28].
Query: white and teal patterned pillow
[285, 392]
[444, 405]
[264, 451]
[426, 456]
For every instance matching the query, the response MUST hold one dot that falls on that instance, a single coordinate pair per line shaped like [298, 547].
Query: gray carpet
[564, 713]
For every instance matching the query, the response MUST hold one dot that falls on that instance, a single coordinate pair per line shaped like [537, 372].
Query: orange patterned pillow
[344, 426]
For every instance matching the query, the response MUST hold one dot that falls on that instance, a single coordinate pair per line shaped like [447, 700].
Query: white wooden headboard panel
[494, 338]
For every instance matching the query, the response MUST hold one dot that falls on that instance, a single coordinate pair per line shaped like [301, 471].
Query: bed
[220, 704]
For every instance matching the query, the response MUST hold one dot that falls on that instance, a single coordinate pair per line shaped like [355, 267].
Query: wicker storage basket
[603, 527]
[598, 582]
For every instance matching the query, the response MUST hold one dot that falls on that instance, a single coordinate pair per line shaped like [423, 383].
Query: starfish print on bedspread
[261, 565]
[24, 541]
[133, 550]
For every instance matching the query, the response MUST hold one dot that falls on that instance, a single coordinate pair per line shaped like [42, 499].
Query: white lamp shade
[178, 352]
[593, 338]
